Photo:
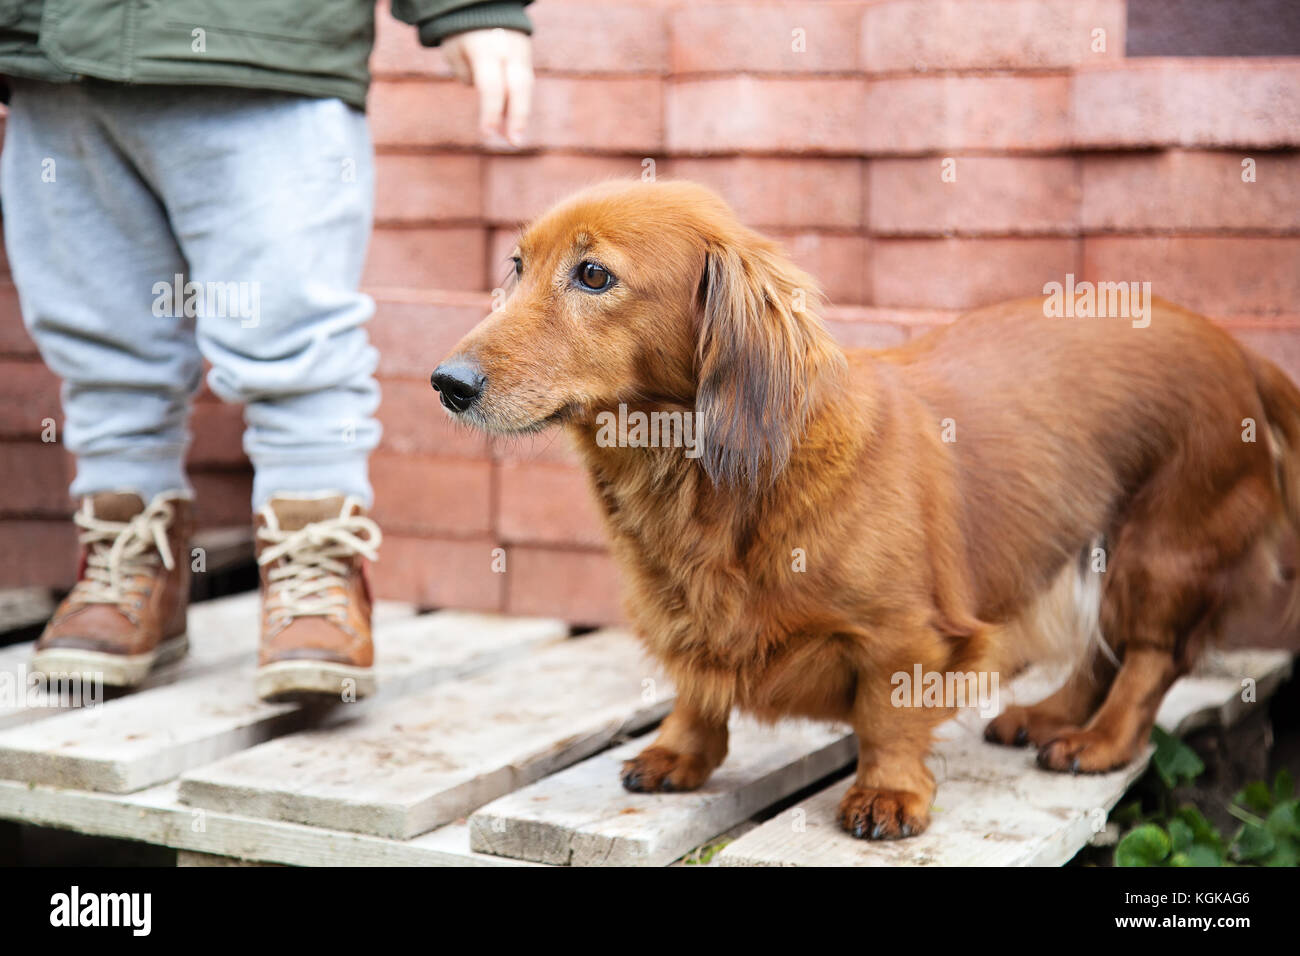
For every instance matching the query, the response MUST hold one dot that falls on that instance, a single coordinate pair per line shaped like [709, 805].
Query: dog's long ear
[762, 352]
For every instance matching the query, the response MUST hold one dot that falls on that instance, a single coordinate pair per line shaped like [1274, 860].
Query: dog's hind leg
[1067, 709]
[689, 747]
[1122, 725]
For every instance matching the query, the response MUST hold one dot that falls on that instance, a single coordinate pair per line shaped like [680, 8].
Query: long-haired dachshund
[850, 517]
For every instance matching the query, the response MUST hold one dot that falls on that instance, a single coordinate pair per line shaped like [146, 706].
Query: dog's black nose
[459, 384]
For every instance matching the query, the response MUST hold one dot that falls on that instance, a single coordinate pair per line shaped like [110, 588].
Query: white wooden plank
[995, 806]
[433, 757]
[150, 736]
[221, 632]
[582, 816]
[156, 816]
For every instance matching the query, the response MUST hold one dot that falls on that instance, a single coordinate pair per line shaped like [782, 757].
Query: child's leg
[270, 199]
[88, 242]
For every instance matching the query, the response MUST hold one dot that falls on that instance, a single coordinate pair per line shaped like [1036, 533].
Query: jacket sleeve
[439, 19]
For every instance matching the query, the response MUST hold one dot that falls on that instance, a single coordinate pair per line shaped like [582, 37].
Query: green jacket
[313, 47]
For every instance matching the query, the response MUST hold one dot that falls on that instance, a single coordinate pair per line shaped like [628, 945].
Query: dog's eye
[519, 266]
[594, 277]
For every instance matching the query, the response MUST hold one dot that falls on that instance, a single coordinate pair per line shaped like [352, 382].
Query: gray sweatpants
[151, 227]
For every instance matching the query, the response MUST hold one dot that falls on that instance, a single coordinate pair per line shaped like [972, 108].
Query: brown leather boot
[315, 598]
[126, 612]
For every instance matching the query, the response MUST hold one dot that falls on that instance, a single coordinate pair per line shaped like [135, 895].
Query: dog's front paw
[870, 813]
[1022, 726]
[658, 769]
[1083, 751]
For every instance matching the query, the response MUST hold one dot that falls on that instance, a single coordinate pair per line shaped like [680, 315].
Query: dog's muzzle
[458, 384]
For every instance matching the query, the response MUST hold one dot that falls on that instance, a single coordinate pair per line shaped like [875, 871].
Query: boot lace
[118, 553]
[312, 578]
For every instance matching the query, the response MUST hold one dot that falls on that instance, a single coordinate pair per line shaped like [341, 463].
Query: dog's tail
[1281, 401]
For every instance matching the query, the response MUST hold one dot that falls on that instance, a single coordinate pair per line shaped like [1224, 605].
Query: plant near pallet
[1269, 834]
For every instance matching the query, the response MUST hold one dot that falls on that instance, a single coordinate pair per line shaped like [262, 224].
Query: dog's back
[1073, 425]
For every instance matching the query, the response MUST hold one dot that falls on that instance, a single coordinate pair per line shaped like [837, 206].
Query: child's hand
[499, 63]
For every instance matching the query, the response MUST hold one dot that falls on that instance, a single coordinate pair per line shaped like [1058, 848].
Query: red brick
[412, 338]
[223, 499]
[761, 38]
[441, 497]
[218, 436]
[38, 554]
[990, 195]
[445, 113]
[607, 114]
[547, 504]
[435, 572]
[838, 262]
[1280, 345]
[617, 37]
[35, 477]
[415, 424]
[1188, 102]
[1220, 276]
[14, 340]
[520, 188]
[423, 113]
[429, 258]
[964, 273]
[1178, 190]
[751, 114]
[925, 35]
[29, 394]
[581, 587]
[501, 244]
[924, 114]
[398, 51]
[428, 188]
[807, 193]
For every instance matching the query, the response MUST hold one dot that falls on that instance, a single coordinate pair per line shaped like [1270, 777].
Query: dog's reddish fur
[919, 550]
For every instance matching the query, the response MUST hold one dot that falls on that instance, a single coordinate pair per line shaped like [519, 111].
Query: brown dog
[848, 518]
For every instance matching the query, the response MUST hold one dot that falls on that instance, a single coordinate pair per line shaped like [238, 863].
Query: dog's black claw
[632, 781]
[1022, 737]
[907, 829]
[1074, 765]
[878, 832]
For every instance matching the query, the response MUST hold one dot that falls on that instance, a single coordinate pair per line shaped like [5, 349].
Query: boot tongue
[294, 514]
[115, 506]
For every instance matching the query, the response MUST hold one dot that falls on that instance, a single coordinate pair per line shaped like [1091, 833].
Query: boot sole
[313, 681]
[116, 670]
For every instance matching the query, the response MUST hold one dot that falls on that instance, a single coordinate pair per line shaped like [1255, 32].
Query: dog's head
[649, 294]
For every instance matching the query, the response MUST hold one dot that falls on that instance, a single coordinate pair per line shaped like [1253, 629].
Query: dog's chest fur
[712, 591]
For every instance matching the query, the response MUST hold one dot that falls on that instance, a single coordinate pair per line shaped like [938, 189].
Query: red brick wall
[1067, 160]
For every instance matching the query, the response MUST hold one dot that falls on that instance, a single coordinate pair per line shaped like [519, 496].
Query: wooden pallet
[496, 741]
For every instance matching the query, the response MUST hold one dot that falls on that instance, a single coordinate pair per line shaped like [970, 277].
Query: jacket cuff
[507, 14]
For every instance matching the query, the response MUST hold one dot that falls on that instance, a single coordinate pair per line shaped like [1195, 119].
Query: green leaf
[1284, 820]
[1256, 797]
[1147, 845]
[1287, 853]
[1283, 785]
[1180, 835]
[1202, 854]
[1203, 830]
[1253, 843]
[1175, 761]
